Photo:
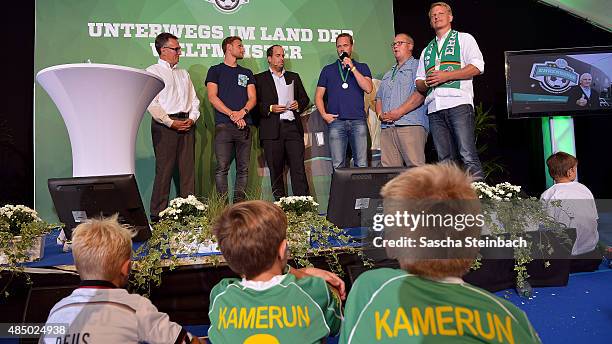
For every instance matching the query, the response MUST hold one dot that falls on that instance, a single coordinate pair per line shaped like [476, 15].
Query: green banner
[122, 32]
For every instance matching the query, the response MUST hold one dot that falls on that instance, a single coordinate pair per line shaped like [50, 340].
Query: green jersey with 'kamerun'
[293, 311]
[391, 306]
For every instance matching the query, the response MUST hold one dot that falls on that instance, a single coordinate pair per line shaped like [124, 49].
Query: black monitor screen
[81, 198]
[354, 197]
[559, 82]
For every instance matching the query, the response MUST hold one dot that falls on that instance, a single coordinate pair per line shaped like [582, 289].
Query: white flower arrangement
[16, 216]
[296, 199]
[182, 207]
[298, 204]
[500, 192]
[511, 215]
[22, 235]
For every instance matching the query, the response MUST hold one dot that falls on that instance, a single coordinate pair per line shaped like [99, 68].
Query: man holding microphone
[344, 82]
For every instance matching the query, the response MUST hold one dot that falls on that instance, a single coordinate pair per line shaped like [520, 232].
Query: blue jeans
[348, 131]
[453, 135]
[232, 142]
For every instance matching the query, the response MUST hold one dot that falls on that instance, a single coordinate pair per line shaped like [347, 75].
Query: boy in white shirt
[100, 310]
[577, 209]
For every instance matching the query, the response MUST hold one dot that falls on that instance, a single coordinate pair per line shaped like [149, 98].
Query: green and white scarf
[449, 58]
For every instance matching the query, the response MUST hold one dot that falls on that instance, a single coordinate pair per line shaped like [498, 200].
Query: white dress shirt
[446, 98]
[578, 210]
[279, 81]
[178, 95]
[586, 90]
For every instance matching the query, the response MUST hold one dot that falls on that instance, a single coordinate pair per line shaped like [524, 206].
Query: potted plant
[185, 219]
[187, 224]
[22, 238]
[183, 230]
[310, 234]
[511, 215]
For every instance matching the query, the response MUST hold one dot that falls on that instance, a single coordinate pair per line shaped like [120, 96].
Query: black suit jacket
[269, 123]
[576, 93]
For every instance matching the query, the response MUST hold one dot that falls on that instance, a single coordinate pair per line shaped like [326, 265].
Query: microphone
[341, 58]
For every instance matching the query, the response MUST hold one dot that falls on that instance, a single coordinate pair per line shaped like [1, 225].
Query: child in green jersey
[271, 303]
[427, 301]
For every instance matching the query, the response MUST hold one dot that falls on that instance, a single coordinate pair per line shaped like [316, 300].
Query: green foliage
[298, 204]
[308, 234]
[20, 228]
[484, 125]
[507, 214]
[191, 224]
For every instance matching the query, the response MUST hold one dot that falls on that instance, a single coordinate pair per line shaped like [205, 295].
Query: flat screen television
[354, 197]
[81, 198]
[559, 82]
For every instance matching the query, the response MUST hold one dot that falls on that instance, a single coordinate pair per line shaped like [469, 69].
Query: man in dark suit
[583, 95]
[280, 128]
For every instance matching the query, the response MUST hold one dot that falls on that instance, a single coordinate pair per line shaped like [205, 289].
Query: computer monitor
[81, 198]
[354, 197]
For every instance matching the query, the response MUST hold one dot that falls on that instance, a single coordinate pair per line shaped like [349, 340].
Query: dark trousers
[288, 148]
[229, 142]
[171, 148]
[453, 135]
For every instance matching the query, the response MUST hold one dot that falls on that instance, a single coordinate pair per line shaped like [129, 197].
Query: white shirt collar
[449, 280]
[263, 285]
[165, 64]
[274, 74]
[441, 39]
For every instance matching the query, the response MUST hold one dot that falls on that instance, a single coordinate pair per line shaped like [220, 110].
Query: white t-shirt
[578, 210]
[98, 313]
[443, 98]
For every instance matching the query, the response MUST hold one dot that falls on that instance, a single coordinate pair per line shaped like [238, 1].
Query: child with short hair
[100, 310]
[426, 301]
[578, 209]
[271, 303]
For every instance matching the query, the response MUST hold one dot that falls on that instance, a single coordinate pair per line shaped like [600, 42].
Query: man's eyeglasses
[399, 43]
[176, 50]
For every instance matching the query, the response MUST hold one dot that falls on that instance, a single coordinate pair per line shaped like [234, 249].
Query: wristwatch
[246, 111]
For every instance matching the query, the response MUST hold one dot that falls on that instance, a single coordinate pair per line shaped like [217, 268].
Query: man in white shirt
[175, 110]
[446, 68]
[100, 310]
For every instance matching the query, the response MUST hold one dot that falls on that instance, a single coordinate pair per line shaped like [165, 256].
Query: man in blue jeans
[446, 68]
[344, 82]
[231, 91]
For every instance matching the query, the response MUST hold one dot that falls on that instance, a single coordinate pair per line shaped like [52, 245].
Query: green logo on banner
[555, 77]
[228, 6]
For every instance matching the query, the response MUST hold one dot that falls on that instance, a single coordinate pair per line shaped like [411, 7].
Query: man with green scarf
[446, 68]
